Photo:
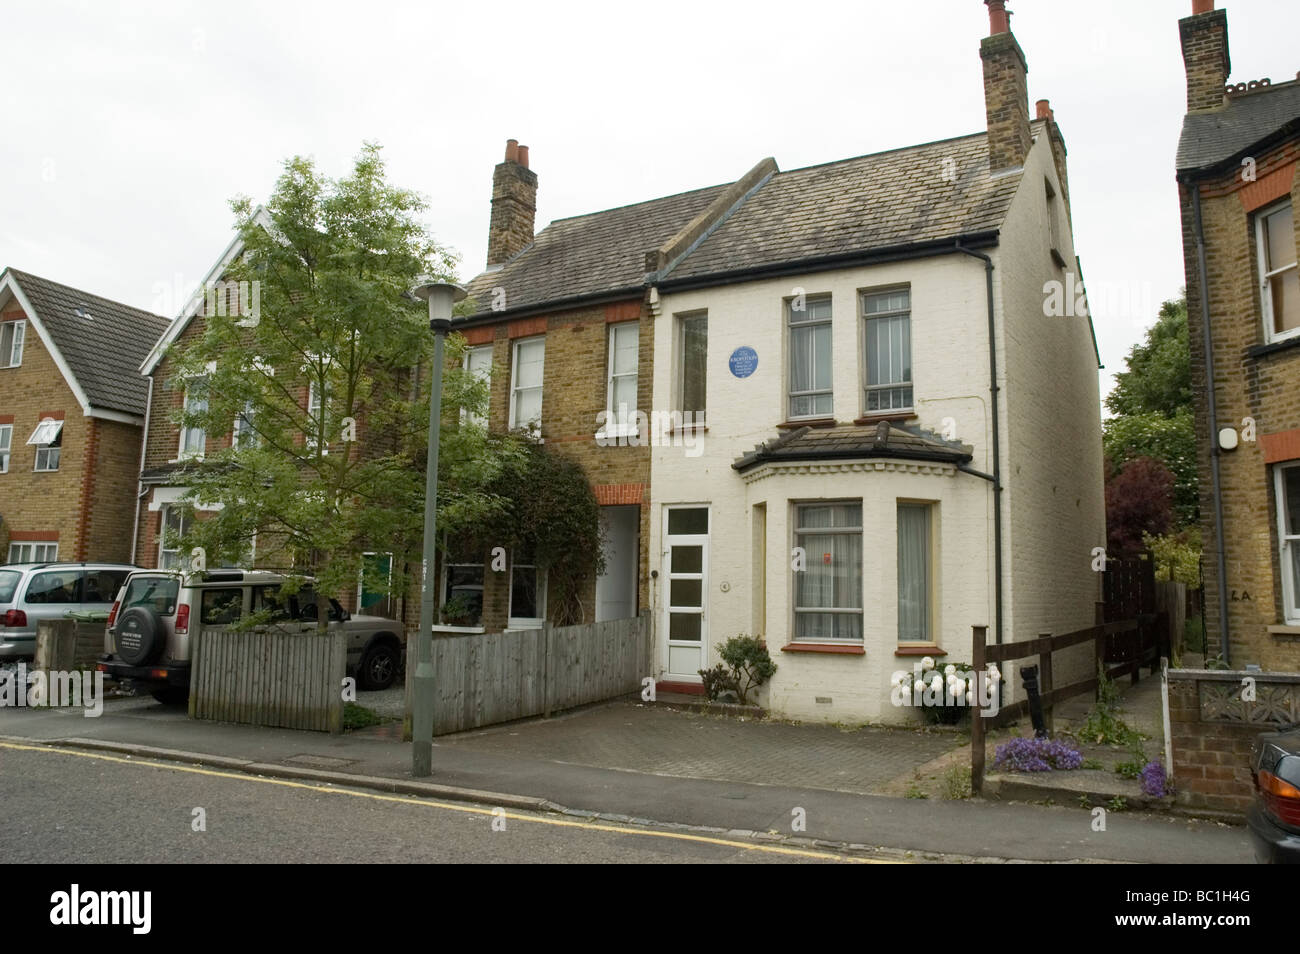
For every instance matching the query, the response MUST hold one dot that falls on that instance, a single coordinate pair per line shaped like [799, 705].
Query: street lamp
[440, 296]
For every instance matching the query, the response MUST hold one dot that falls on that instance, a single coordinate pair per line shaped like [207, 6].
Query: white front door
[686, 585]
[616, 587]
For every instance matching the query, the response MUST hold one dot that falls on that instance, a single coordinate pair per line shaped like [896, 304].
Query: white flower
[970, 698]
[897, 679]
[950, 670]
[927, 664]
[936, 683]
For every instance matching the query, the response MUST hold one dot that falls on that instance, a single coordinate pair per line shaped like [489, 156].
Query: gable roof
[99, 355]
[588, 255]
[902, 197]
[1250, 118]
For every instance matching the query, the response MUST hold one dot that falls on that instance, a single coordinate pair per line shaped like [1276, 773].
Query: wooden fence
[290, 680]
[1131, 643]
[68, 645]
[486, 678]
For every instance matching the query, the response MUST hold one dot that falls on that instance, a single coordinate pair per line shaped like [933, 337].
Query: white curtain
[913, 572]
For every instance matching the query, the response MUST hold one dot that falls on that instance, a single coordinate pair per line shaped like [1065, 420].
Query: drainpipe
[997, 453]
[1212, 407]
[139, 484]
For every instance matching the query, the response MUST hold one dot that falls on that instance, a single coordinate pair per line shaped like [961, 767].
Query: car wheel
[171, 695]
[379, 667]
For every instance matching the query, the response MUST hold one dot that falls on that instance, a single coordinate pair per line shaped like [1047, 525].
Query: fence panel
[288, 680]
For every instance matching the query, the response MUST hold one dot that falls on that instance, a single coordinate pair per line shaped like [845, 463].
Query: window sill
[853, 649]
[900, 416]
[1285, 629]
[808, 422]
[1264, 350]
[920, 650]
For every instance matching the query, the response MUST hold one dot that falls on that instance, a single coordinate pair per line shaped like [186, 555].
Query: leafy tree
[1138, 501]
[331, 383]
[1152, 407]
[1158, 378]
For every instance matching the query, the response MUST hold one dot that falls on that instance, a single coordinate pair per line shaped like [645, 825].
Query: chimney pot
[999, 17]
[1202, 6]
[523, 156]
[1043, 109]
[514, 205]
[512, 150]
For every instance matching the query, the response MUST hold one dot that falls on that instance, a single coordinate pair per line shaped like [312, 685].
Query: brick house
[1238, 188]
[767, 327]
[72, 407]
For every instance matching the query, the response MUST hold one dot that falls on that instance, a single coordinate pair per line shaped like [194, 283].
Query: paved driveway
[666, 741]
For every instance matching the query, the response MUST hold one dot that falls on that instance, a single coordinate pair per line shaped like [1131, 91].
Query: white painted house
[833, 326]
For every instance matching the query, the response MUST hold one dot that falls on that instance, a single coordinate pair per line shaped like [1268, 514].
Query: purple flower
[1153, 779]
[1037, 755]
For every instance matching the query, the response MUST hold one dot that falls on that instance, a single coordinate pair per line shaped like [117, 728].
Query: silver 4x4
[148, 637]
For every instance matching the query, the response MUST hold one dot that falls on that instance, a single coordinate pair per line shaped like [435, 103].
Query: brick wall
[1212, 730]
[573, 394]
[1264, 387]
[87, 504]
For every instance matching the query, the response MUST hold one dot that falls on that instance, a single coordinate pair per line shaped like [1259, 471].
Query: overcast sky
[131, 125]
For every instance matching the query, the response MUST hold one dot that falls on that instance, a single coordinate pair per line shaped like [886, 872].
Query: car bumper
[17, 645]
[159, 674]
[1273, 845]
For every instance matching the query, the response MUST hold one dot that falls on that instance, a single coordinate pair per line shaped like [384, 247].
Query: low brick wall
[1212, 728]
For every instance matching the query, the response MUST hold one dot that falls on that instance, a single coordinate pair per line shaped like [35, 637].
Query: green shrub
[718, 681]
[749, 662]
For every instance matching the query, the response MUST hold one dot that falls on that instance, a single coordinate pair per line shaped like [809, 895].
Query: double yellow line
[454, 807]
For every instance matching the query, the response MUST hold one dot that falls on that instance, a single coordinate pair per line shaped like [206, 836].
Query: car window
[57, 586]
[9, 584]
[305, 604]
[269, 599]
[220, 607]
[101, 586]
[158, 593]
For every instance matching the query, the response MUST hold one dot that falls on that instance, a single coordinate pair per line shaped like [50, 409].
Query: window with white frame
[243, 435]
[48, 440]
[915, 546]
[526, 382]
[317, 405]
[193, 436]
[527, 592]
[620, 392]
[1278, 274]
[887, 339]
[1287, 479]
[478, 362]
[810, 357]
[175, 524]
[33, 552]
[12, 334]
[692, 359]
[6, 441]
[828, 589]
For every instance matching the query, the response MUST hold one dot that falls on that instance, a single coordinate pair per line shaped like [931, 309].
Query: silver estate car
[30, 592]
[150, 627]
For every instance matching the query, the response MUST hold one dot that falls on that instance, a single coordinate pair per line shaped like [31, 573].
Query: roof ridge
[20, 275]
[883, 152]
[629, 205]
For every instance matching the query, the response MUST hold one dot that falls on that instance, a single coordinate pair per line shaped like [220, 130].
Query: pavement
[626, 763]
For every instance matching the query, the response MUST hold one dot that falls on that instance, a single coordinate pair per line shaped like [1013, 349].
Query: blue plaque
[743, 361]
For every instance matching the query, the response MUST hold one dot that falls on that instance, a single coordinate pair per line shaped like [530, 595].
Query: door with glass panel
[685, 580]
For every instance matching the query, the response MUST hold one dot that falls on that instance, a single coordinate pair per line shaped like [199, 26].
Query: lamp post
[440, 296]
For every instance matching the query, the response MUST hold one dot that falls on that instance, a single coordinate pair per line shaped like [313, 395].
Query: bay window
[828, 590]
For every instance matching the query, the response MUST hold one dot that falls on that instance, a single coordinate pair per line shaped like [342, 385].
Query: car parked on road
[148, 639]
[1274, 815]
[31, 592]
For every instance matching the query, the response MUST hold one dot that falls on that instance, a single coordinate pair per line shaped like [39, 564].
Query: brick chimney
[1006, 91]
[514, 205]
[1205, 55]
